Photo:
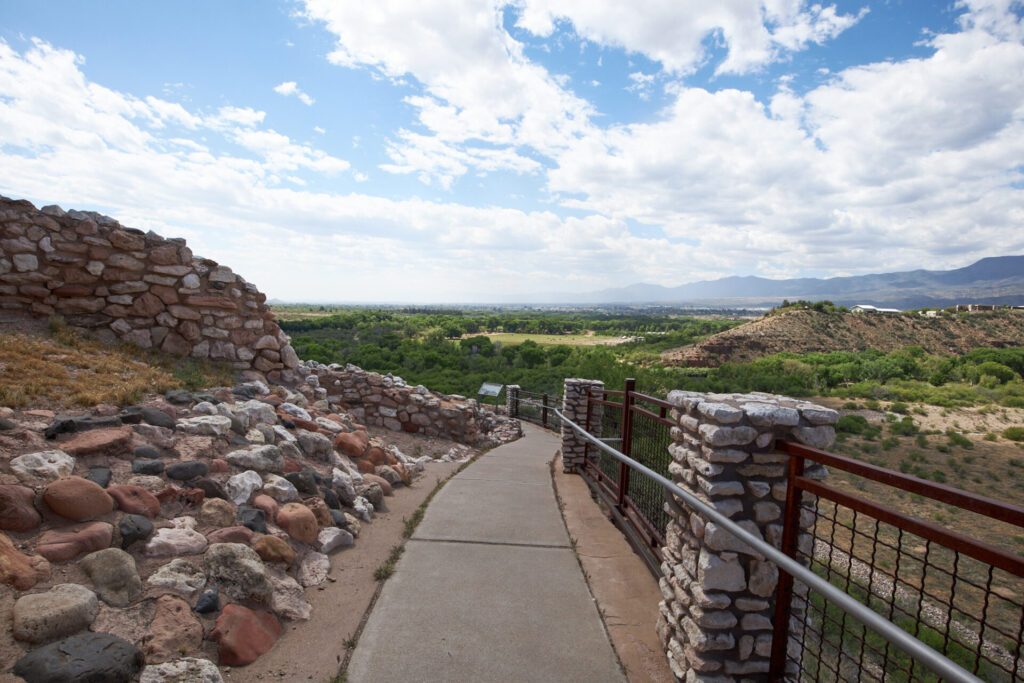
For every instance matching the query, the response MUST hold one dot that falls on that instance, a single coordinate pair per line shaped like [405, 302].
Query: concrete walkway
[489, 588]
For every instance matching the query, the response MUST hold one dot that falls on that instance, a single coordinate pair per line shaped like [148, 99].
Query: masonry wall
[389, 402]
[716, 618]
[121, 284]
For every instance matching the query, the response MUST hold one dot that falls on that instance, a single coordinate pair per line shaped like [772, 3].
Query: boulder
[240, 487]
[17, 509]
[333, 538]
[46, 465]
[169, 542]
[274, 549]
[64, 609]
[77, 498]
[253, 518]
[186, 670]
[352, 444]
[231, 534]
[238, 571]
[114, 575]
[244, 634]
[173, 632]
[320, 510]
[180, 576]
[289, 598]
[314, 444]
[217, 512]
[258, 458]
[384, 484]
[110, 442]
[304, 481]
[135, 500]
[20, 570]
[312, 568]
[280, 489]
[205, 425]
[267, 504]
[134, 528]
[66, 543]
[83, 657]
[189, 469]
[299, 521]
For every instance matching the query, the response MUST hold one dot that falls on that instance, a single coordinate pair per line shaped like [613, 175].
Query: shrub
[904, 427]
[1012, 402]
[852, 424]
[957, 439]
[890, 443]
[900, 407]
[1014, 433]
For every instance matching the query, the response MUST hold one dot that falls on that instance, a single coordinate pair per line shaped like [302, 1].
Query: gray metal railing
[932, 659]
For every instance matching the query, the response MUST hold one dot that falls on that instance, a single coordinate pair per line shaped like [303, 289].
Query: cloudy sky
[488, 150]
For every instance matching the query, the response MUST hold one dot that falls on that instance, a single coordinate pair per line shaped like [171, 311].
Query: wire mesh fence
[535, 407]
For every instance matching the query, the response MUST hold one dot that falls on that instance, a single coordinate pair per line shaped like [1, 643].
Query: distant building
[930, 314]
[866, 308]
[974, 308]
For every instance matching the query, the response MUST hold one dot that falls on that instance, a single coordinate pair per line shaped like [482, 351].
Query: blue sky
[495, 150]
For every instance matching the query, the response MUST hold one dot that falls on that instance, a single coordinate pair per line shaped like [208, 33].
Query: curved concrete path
[489, 588]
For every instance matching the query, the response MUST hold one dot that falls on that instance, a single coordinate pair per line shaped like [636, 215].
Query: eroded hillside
[805, 331]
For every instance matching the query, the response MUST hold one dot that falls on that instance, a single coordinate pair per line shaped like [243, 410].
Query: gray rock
[280, 489]
[113, 572]
[312, 568]
[169, 542]
[333, 538]
[288, 599]
[240, 487]
[151, 467]
[205, 425]
[180, 576]
[134, 528]
[238, 571]
[99, 474]
[93, 657]
[295, 411]
[258, 458]
[315, 445]
[190, 469]
[187, 670]
[304, 481]
[64, 609]
[46, 465]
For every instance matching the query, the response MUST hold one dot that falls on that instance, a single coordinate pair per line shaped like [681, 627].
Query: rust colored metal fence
[536, 408]
[639, 427]
[960, 595]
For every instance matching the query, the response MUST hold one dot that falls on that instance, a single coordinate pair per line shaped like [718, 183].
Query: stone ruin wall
[715, 621]
[121, 284]
[387, 401]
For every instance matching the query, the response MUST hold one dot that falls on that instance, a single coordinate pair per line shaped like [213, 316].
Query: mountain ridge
[991, 280]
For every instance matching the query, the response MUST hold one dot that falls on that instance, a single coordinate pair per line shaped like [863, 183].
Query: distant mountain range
[995, 280]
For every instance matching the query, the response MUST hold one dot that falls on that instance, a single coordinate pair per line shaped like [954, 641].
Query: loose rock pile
[146, 539]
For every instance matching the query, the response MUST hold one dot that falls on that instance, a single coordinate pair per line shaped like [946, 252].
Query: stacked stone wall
[574, 408]
[387, 401]
[717, 617]
[125, 285]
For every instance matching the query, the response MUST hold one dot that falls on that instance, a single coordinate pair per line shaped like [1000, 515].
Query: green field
[588, 339]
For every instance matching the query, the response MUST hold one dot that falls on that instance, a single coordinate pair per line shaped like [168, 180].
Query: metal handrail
[934, 660]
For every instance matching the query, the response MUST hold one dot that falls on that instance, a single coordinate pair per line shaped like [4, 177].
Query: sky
[458, 151]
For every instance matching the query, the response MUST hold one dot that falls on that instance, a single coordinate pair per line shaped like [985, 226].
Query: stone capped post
[512, 400]
[574, 407]
[715, 622]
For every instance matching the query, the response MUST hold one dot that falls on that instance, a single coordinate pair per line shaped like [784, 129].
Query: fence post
[717, 619]
[512, 400]
[784, 596]
[627, 442]
[574, 407]
[544, 411]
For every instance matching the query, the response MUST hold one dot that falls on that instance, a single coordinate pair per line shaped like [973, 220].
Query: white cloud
[641, 84]
[289, 88]
[674, 33]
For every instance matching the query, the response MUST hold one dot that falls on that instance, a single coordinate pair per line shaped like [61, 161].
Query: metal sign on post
[490, 389]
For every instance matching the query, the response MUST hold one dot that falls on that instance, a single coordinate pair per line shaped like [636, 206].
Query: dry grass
[65, 370]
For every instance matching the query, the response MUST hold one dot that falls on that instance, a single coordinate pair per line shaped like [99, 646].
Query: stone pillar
[511, 399]
[716, 619]
[574, 407]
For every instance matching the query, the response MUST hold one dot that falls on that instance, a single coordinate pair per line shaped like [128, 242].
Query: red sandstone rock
[135, 500]
[352, 444]
[384, 485]
[390, 459]
[377, 456]
[17, 509]
[231, 534]
[164, 256]
[77, 498]
[308, 425]
[299, 521]
[187, 497]
[73, 290]
[364, 465]
[211, 302]
[113, 442]
[61, 545]
[291, 465]
[147, 306]
[264, 502]
[244, 634]
[320, 510]
[274, 549]
[20, 570]
[403, 473]
[218, 465]
[173, 632]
